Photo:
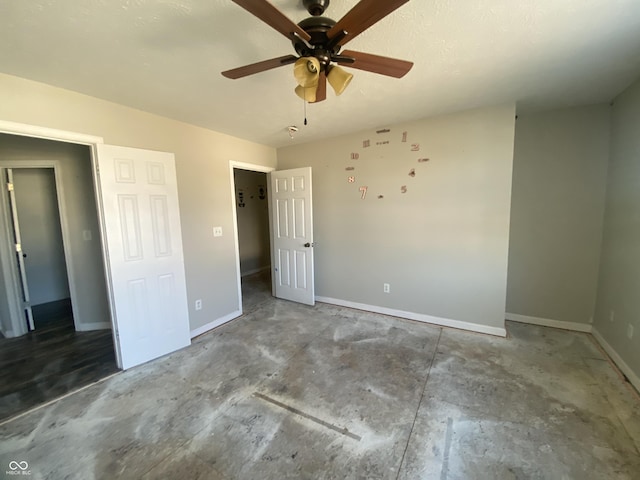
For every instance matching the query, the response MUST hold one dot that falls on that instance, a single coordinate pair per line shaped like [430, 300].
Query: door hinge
[9, 187]
[18, 247]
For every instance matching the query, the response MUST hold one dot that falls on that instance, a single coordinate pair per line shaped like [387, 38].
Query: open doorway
[37, 229]
[54, 271]
[252, 224]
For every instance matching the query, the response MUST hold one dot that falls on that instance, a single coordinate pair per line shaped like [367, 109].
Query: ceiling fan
[317, 40]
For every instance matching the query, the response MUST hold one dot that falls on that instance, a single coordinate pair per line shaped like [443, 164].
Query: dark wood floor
[52, 360]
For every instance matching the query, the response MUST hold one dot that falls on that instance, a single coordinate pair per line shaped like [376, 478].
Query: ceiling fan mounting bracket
[315, 7]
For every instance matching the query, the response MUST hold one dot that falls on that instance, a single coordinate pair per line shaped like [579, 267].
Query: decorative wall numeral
[404, 137]
[364, 192]
[351, 179]
[415, 147]
[412, 172]
[422, 160]
[403, 189]
[348, 169]
[366, 143]
[355, 156]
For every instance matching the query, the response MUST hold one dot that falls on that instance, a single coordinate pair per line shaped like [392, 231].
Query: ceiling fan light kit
[339, 79]
[317, 40]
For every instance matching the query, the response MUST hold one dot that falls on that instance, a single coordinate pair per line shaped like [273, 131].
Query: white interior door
[139, 196]
[292, 235]
[17, 237]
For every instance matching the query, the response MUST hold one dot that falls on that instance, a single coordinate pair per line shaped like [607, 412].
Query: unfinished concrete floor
[290, 391]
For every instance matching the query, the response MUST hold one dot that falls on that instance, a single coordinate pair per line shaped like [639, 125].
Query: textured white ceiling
[165, 57]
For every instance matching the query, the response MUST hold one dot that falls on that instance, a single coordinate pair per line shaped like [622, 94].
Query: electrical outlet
[612, 315]
[217, 231]
[198, 304]
[630, 331]
[386, 288]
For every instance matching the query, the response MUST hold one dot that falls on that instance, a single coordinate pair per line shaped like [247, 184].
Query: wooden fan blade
[361, 17]
[391, 67]
[259, 67]
[272, 17]
[321, 92]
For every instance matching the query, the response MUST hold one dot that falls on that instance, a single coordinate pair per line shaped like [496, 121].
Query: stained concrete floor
[291, 391]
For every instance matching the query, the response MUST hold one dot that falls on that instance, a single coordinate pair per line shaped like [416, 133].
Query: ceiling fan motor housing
[315, 7]
[317, 28]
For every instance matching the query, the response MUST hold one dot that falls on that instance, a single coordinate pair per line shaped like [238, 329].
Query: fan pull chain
[305, 110]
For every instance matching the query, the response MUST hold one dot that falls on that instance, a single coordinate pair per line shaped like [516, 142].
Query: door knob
[307, 244]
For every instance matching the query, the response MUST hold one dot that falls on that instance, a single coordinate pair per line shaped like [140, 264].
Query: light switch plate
[217, 231]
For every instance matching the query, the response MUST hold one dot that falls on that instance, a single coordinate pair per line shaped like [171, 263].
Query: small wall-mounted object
[423, 160]
[385, 142]
[217, 231]
[384, 130]
[241, 203]
[380, 197]
[415, 147]
[348, 169]
[262, 192]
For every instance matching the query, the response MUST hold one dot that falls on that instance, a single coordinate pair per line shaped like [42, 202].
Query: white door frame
[254, 168]
[64, 226]
[14, 128]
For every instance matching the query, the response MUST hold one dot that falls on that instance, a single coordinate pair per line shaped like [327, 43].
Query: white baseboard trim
[216, 323]
[8, 334]
[255, 270]
[617, 359]
[420, 317]
[547, 322]
[87, 327]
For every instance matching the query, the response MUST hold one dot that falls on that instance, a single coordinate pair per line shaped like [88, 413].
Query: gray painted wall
[619, 280]
[253, 221]
[559, 184]
[41, 236]
[442, 246]
[79, 203]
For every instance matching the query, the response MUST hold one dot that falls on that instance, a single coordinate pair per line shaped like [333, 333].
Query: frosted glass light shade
[306, 70]
[308, 94]
[338, 79]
